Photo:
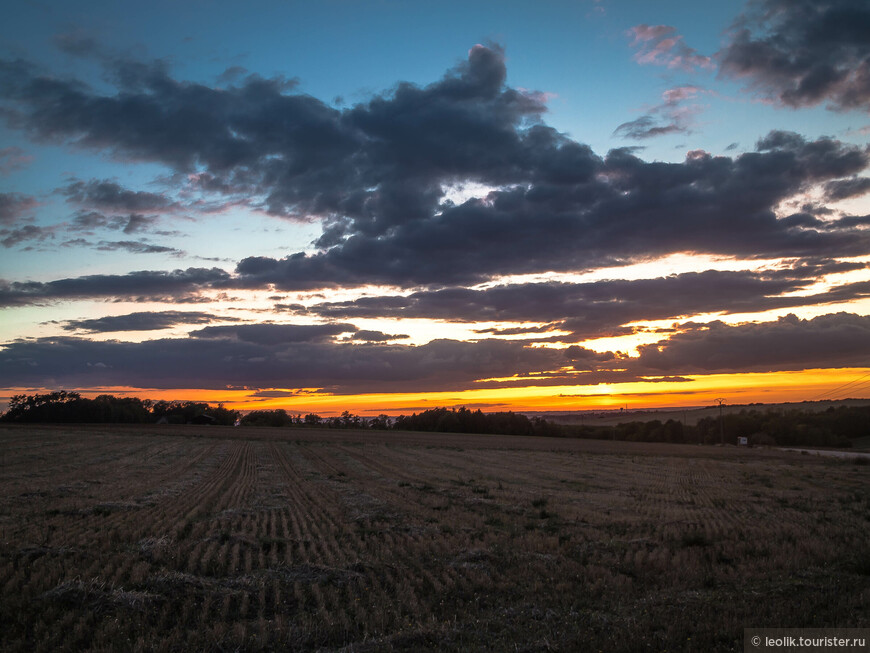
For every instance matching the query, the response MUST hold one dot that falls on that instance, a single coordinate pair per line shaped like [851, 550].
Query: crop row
[166, 542]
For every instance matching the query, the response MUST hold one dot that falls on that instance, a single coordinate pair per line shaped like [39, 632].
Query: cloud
[240, 135]
[135, 247]
[129, 246]
[852, 221]
[301, 155]
[669, 117]
[621, 210]
[382, 177]
[517, 331]
[88, 221]
[260, 359]
[99, 197]
[105, 195]
[646, 127]
[137, 222]
[789, 343]
[366, 335]
[293, 357]
[78, 43]
[12, 159]
[28, 232]
[801, 53]
[141, 321]
[274, 334]
[232, 75]
[841, 189]
[176, 285]
[14, 206]
[379, 174]
[661, 45]
[586, 309]
[596, 309]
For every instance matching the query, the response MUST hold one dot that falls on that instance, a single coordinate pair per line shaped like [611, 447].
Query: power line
[851, 391]
[841, 387]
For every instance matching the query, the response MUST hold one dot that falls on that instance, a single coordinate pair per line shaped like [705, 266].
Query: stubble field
[204, 538]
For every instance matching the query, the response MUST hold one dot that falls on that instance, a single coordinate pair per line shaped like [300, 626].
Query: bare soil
[173, 538]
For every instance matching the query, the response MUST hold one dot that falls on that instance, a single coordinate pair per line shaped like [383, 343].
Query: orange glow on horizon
[702, 390]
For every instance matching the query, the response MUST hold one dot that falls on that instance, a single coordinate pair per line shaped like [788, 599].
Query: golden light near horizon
[697, 391]
[770, 387]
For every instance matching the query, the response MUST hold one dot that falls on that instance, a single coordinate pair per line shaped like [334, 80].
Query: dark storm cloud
[587, 359]
[598, 308]
[805, 220]
[134, 286]
[141, 321]
[851, 221]
[846, 292]
[14, 206]
[623, 209]
[274, 334]
[836, 340]
[845, 188]
[812, 268]
[376, 174]
[105, 195]
[264, 363]
[372, 164]
[803, 52]
[275, 394]
[309, 356]
[518, 331]
[366, 335]
[250, 136]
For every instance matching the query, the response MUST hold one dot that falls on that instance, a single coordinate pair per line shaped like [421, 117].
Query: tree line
[70, 407]
[440, 420]
[834, 427]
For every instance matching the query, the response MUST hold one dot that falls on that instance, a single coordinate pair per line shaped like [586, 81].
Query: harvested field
[204, 538]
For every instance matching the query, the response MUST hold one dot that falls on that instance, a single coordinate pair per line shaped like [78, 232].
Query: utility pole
[721, 426]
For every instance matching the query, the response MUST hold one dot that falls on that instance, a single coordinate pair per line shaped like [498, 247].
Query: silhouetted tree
[278, 417]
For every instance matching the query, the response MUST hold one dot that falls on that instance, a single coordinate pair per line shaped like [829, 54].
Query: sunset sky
[387, 206]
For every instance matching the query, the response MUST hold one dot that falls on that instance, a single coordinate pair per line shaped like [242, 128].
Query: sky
[383, 206]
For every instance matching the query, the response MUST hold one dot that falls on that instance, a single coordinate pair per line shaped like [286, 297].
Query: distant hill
[689, 415]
